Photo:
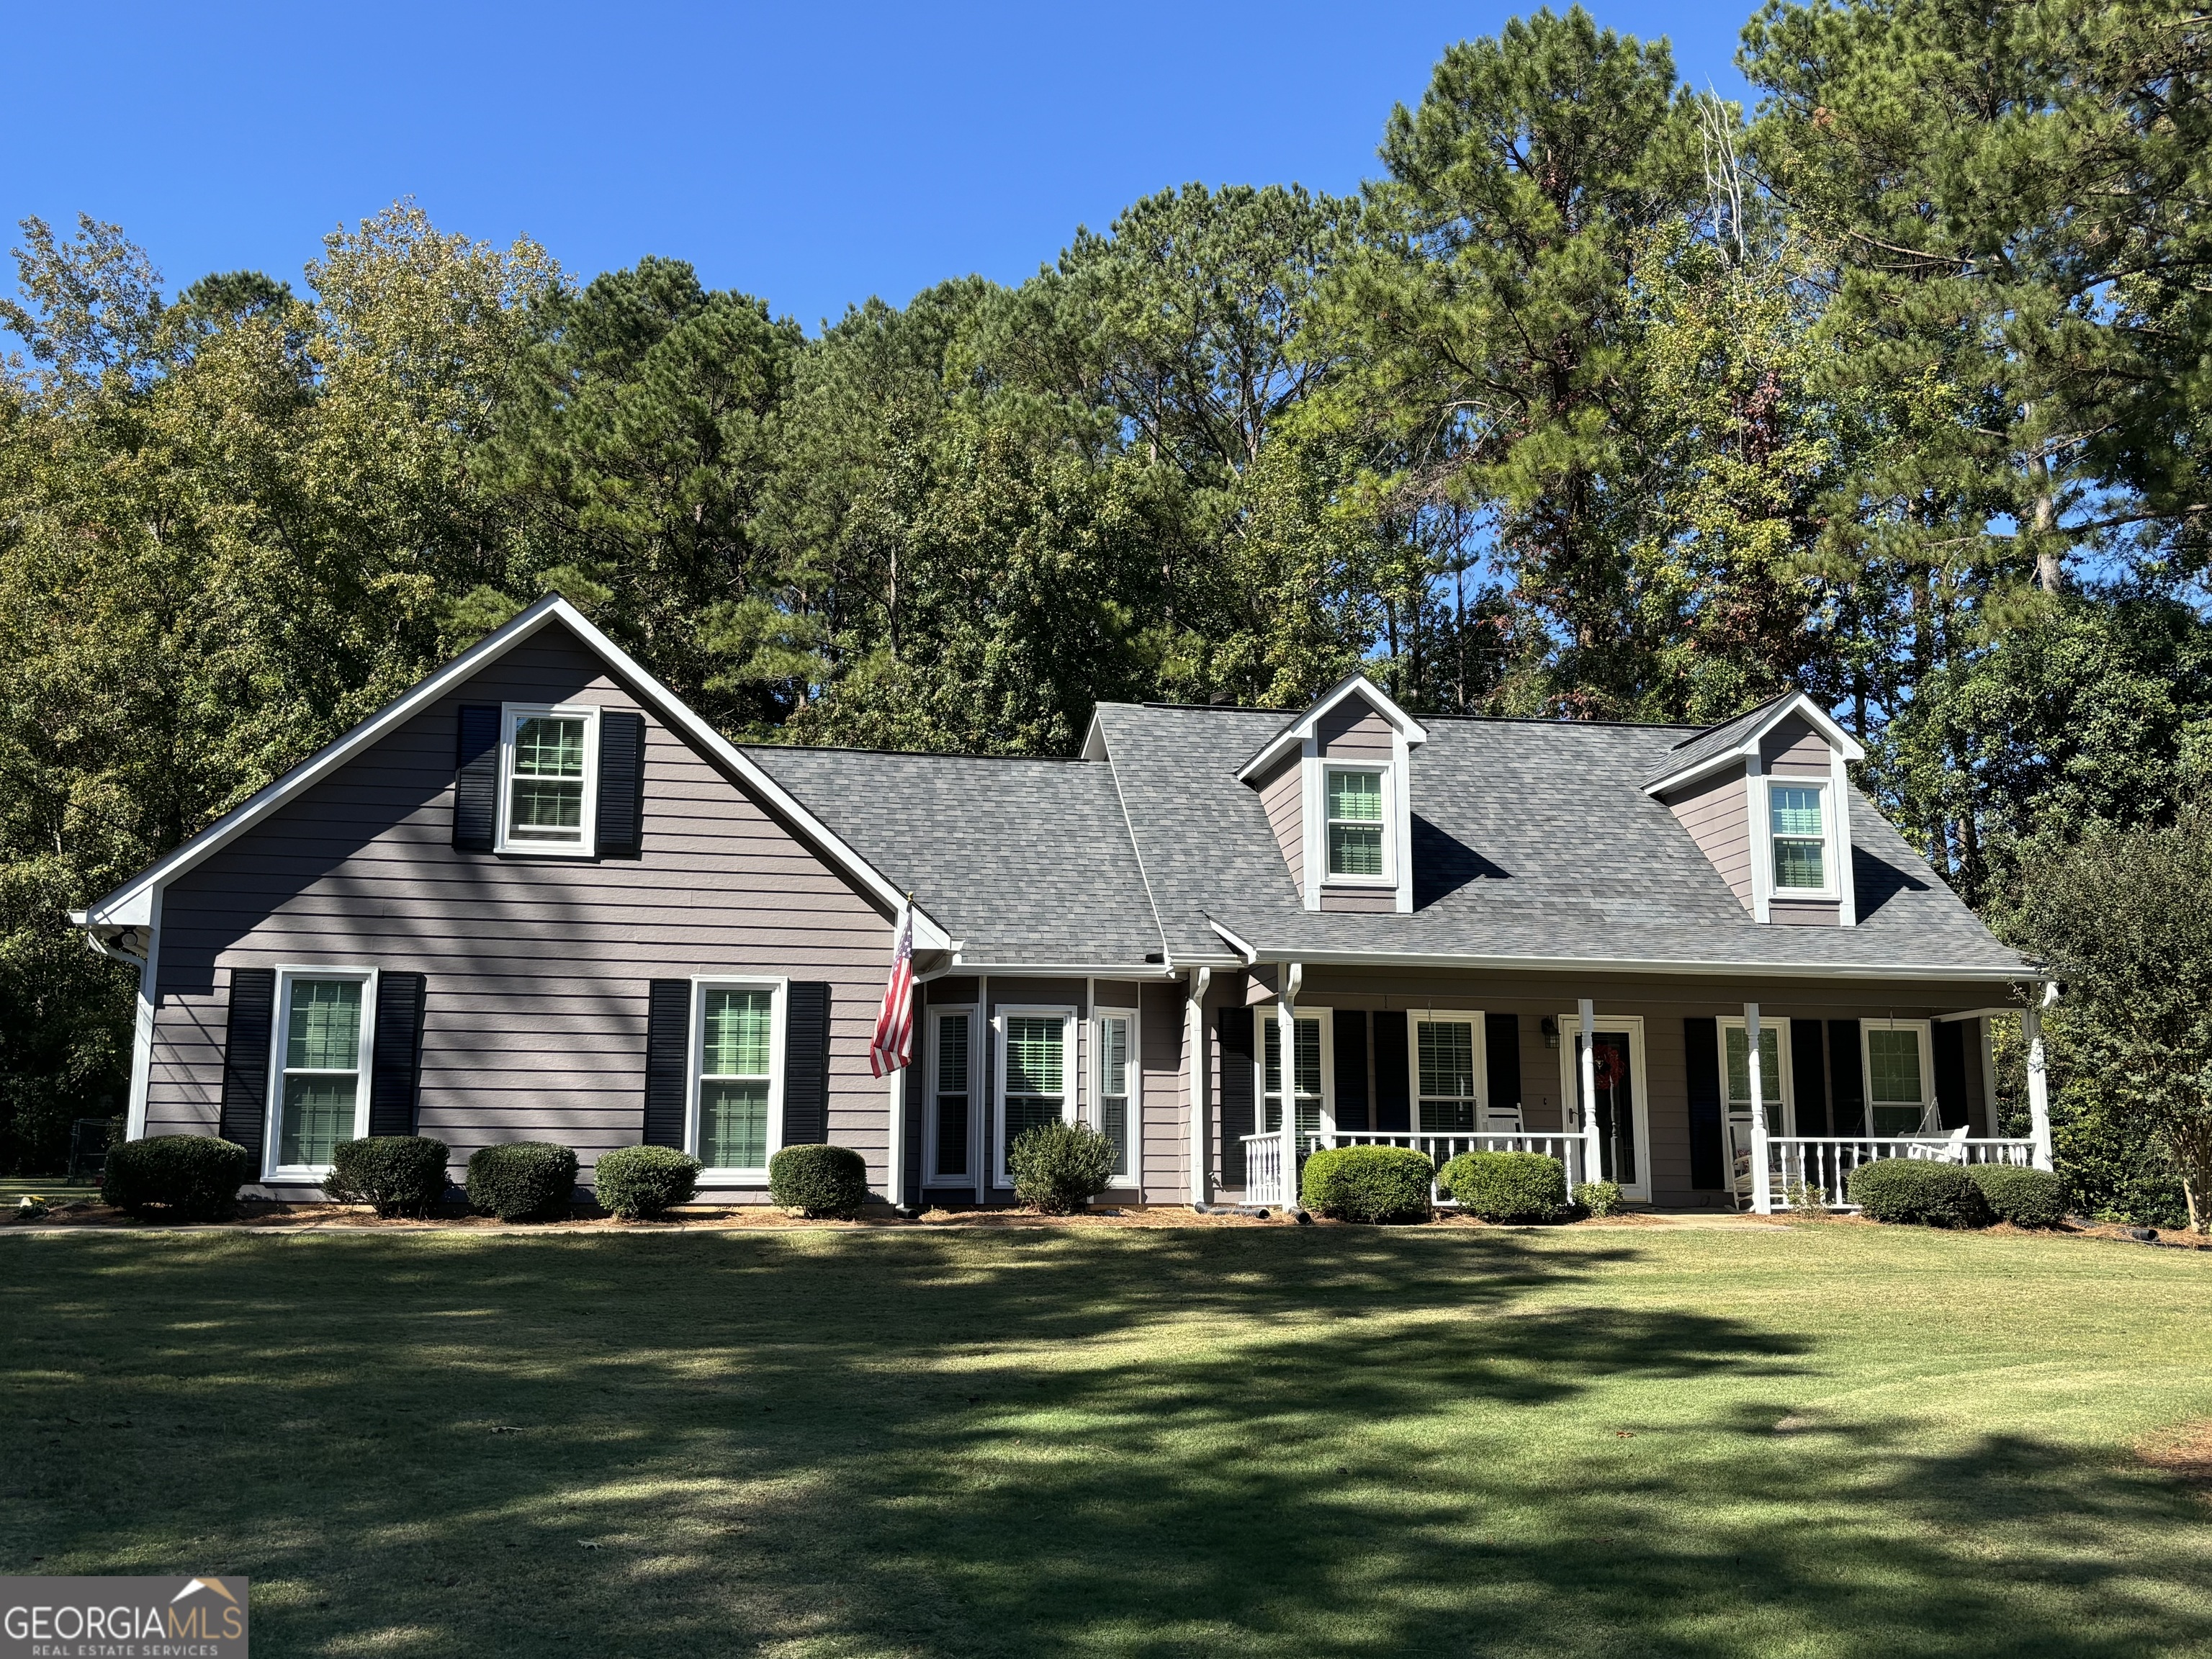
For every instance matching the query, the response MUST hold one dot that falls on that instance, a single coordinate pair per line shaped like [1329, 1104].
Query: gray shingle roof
[1711, 740]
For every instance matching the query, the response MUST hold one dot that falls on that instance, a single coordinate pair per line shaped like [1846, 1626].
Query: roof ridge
[907, 754]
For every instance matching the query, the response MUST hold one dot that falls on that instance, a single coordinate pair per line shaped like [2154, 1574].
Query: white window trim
[779, 1013]
[931, 1176]
[1928, 1102]
[1387, 823]
[588, 847]
[1639, 1085]
[1829, 892]
[1097, 1107]
[1071, 1071]
[273, 1111]
[1415, 1018]
[1328, 1019]
[1787, 1082]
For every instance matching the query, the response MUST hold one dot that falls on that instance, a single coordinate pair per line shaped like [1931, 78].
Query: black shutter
[1809, 1077]
[1235, 1025]
[1701, 1046]
[1394, 1101]
[667, 1055]
[245, 1059]
[806, 1064]
[1846, 1080]
[1351, 1069]
[1501, 1036]
[475, 778]
[1950, 1057]
[395, 1060]
[620, 831]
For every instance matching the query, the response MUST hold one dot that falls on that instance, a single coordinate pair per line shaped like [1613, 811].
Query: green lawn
[1826, 1440]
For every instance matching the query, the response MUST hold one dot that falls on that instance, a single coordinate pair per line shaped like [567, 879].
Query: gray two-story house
[538, 897]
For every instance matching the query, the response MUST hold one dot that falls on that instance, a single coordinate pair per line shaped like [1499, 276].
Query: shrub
[1599, 1197]
[2026, 1198]
[1905, 1189]
[819, 1181]
[1507, 1186]
[644, 1181]
[523, 1181]
[400, 1174]
[1369, 1183]
[192, 1177]
[1058, 1168]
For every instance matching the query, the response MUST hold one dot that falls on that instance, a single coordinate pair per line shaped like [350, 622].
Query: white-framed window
[1357, 827]
[1312, 1086]
[1117, 1033]
[1448, 1063]
[1800, 843]
[1900, 1077]
[320, 1058]
[736, 1077]
[1036, 1072]
[549, 778]
[952, 1066]
[1774, 1073]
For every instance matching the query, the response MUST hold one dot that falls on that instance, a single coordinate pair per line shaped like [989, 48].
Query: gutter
[1639, 965]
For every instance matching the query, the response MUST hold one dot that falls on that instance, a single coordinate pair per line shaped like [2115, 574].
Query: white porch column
[895, 1186]
[1762, 1179]
[1586, 1078]
[1201, 1087]
[978, 1098]
[2038, 1082]
[1286, 1023]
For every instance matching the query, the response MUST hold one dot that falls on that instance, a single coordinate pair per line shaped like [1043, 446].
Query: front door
[1623, 1134]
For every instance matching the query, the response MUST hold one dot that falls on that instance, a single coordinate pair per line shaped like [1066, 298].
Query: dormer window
[1798, 822]
[1356, 821]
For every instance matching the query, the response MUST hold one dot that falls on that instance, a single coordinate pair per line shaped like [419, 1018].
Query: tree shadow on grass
[1037, 1444]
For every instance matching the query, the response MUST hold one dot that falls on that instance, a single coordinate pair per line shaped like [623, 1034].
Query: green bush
[1507, 1186]
[632, 1182]
[1599, 1197]
[2026, 1198]
[190, 1177]
[522, 1181]
[1368, 1183]
[1918, 1191]
[1058, 1168]
[399, 1175]
[819, 1181]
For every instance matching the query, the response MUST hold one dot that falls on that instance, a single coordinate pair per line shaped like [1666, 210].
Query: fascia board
[1944, 972]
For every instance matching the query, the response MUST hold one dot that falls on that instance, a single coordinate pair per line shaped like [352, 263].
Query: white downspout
[1593, 1153]
[1201, 1087]
[1762, 1181]
[2038, 1080]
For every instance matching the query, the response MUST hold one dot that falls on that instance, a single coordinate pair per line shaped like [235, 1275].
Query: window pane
[1113, 1123]
[733, 1125]
[1271, 1122]
[1447, 1051]
[1026, 1112]
[952, 1053]
[1796, 811]
[1894, 1067]
[545, 801]
[1113, 1057]
[548, 746]
[736, 1034]
[1308, 1058]
[1800, 864]
[951, 1134]
[1896, 1119]
[544, 809]
[1033, 1058]
[317, 1114]
[1354, 850]
[325, 1029]
[1739, 1066]
[1357, 796]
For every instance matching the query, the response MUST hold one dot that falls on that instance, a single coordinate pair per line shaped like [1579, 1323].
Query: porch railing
[1263, 1154]
[1796, 1162]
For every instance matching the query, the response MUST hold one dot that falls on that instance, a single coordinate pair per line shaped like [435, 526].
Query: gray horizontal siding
[1354, 730]
[1714, 813]
[1282, 793]
[1794, 746]
[1164, 1165]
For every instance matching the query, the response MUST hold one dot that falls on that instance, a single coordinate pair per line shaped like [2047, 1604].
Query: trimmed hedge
[1368, 1183]
[399, 1175]
[1507, 1186]
[190, 1177]
[635, 1182]
[819, 1181]
[2026, 1198]
[1059, 1168]
[523, 1181]
[1918, 1191]
[1599, 1197]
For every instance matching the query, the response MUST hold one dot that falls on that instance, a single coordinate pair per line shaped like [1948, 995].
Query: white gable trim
[1301, 732]
[1839, 740]
[132, 904]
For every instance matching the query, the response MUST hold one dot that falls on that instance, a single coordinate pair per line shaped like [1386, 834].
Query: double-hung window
[738, 1109]
[1355, 824]
[548, 780]
[1114, 1094]
[1306, 1073]
[954, 1029]
[1797, 826]
[1773, 1072]
[1445, 1054]
[320, 1081]
[1033, 1073]
[1900, 1092]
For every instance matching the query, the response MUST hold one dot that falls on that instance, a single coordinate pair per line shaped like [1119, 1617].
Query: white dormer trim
[1839, 742]
[1299, 735]
[1301, 738]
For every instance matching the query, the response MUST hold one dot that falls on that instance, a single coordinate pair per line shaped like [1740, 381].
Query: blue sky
[813, 156]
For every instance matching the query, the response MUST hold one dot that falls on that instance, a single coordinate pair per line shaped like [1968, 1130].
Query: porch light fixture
[1551, 1032]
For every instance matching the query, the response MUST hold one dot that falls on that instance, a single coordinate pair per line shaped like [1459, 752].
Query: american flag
[893, 1044]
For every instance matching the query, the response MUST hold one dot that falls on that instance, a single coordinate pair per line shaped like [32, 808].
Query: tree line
[1604, 398]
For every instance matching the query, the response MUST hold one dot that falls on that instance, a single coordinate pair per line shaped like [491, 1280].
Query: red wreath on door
[1611, 1066]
